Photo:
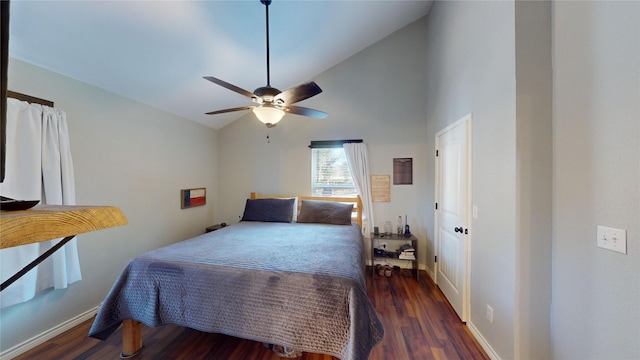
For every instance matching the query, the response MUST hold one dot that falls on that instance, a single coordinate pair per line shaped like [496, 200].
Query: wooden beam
[47, 222]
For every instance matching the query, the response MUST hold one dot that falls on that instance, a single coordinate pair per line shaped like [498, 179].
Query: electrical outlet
[490, 314]
[612, 239]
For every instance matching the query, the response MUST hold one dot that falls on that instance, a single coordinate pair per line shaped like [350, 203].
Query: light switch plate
[612, 239]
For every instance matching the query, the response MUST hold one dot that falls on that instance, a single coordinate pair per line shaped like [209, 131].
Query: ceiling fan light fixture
[268, 115]
[271, 103]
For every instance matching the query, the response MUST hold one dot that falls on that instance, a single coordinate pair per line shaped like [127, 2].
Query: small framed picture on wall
[402, 171]
[380, 189]
[193, 197]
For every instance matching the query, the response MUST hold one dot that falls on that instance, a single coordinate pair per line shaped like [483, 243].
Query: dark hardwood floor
[418, 321]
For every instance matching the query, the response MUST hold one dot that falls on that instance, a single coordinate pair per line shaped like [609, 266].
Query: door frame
[466, 302]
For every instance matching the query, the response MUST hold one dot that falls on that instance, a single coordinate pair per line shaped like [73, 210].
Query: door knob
[458, 229]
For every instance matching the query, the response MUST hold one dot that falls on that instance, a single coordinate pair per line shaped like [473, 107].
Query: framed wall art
[380, 189]
[193, 197]
[403, 171]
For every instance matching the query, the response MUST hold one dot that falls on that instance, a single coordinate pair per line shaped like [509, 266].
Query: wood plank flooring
[418, 321]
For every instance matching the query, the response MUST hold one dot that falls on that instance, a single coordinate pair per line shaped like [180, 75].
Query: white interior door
[451, 216]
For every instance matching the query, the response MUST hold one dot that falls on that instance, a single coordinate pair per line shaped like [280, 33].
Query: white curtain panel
[358, 159]
[38, 167]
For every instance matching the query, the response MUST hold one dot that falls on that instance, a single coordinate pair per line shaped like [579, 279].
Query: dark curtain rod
[29, 98]
[331, 143]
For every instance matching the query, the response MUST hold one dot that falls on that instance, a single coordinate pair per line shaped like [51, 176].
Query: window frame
[317, 146]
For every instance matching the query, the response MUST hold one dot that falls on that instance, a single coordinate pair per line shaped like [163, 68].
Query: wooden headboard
[356, 201]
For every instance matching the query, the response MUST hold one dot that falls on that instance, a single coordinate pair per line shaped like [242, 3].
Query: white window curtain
[358, 159]
[38, 167]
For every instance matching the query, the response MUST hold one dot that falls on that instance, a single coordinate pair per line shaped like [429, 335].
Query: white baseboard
[428, 270]
[483, 342]
[48, 335]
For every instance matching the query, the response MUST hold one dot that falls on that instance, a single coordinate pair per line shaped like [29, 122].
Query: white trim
[48, 335]
[428, 270]
[483, 342]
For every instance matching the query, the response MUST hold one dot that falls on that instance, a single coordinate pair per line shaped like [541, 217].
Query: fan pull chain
[268, 139]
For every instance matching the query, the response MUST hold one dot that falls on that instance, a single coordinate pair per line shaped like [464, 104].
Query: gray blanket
[296, 285]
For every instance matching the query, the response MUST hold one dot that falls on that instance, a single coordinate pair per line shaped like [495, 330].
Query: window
[330, 175]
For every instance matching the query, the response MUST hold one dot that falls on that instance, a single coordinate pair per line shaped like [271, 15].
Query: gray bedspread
[296, 285]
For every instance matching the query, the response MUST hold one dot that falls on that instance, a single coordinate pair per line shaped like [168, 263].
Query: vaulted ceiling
[156, 52]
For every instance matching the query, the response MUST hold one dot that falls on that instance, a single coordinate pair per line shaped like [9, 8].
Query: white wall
[596, 124]
[534, 163]
[594, 310]
[128, 155]
[378, 95]
[471, 69]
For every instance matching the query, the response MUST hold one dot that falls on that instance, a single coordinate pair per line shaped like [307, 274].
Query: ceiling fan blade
[231, 87]
[230, 110]
[299, 93]
[299, 110]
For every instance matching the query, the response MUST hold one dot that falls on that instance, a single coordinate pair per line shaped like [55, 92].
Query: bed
[298, 284]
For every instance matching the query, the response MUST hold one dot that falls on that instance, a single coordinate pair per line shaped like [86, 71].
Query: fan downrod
[266, 9]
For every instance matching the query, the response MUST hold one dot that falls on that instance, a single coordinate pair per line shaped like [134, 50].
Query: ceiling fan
[271, 103]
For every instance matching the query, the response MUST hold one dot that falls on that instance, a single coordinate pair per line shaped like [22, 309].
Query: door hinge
[435, 258]
[436, 152]
[466, 231]
[436, 206]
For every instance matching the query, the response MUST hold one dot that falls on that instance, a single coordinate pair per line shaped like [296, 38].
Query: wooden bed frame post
[131, 338]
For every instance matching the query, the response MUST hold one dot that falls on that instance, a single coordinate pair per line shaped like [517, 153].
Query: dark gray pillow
[325, 212]
[268, 210]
